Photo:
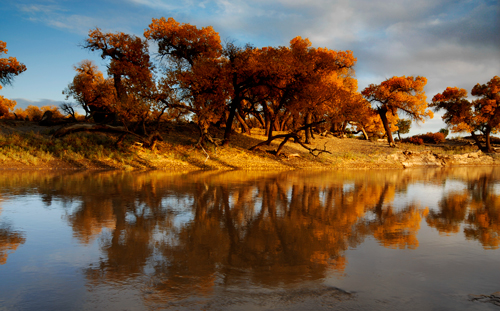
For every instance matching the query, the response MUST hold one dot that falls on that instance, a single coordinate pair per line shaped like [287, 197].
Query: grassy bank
[26, 145]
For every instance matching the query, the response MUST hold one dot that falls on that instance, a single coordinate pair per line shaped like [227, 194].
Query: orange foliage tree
[9, 68]
[193, 67]
[399, 94]
[130, 69]
[301, 84]
[462, 115]
[92, 92]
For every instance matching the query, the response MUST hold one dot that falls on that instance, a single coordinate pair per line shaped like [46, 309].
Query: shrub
[413, 140]
[429, 138]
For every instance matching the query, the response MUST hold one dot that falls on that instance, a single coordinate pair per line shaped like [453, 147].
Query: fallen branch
[295, 135]
[148, 142]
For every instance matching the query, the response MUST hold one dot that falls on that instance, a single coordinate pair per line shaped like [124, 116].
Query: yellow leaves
[6, 105]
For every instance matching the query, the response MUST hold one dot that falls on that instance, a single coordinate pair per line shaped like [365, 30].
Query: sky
[451, 43]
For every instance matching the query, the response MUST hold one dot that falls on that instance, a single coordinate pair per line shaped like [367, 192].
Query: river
[306, 240]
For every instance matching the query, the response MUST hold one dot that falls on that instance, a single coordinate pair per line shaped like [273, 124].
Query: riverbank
[26, 145]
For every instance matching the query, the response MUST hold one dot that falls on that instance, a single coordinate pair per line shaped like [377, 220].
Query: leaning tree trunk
[385, 122]
[489, 149]
[477, 141]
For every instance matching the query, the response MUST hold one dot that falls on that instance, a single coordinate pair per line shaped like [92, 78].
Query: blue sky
[452, 43]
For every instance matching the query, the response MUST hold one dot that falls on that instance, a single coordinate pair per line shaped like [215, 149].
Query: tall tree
[191, 60]
[399, 94]
[130, 68]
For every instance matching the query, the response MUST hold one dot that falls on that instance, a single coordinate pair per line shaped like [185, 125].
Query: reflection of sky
[180, 207]
[47, 272]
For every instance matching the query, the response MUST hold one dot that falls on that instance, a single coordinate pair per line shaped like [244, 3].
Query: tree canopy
[399, 94]
[463, 115]
[9, 68]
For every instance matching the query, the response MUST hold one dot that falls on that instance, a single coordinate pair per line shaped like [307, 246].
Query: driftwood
[148, 142]
[295, 136]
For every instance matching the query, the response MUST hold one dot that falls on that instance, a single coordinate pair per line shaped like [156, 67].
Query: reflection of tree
[9, 241]
[452, 211]
[186, 233]
[478, 207]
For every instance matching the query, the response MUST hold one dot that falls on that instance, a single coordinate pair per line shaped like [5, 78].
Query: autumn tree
[9, 68]
[190, 59]
[306, 83]
[130, 69]
[399, 95]
[92, 92]
[6, 106]
[463, 115]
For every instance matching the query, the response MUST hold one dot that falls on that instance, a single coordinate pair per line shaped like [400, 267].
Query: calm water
[400, 240]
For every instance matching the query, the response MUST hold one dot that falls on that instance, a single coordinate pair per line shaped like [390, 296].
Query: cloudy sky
[452, 43]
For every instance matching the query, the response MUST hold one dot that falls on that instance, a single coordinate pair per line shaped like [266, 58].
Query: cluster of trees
[297, 88]
[480, 115]
[288, 88]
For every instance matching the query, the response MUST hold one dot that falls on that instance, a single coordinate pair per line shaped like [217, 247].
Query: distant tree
[68, 109]
[6, 106]
[399, 94]
[404, 126]
[444, 131]
[462, 115]
[91, 90]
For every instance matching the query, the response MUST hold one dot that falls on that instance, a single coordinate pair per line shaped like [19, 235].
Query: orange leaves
[9, 67]
[461, 114]
[399, 94]
[6, 105]
[404, 94]
[184, 41]
[89, 88]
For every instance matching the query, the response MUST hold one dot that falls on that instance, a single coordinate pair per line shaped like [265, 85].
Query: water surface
[378, 240]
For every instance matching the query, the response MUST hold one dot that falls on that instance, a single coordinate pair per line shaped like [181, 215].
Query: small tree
[444, 131]
[404, 126]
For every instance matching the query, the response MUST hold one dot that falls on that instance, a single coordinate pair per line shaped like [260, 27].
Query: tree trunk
[244, 126]
[383, 116]
[477, 141]
[308, 129]
[259, 118]
[229, 122]
[489, 149]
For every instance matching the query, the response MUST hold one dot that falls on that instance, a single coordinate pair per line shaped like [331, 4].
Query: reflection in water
[185, 234]
[9, 241]
[478, 207]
